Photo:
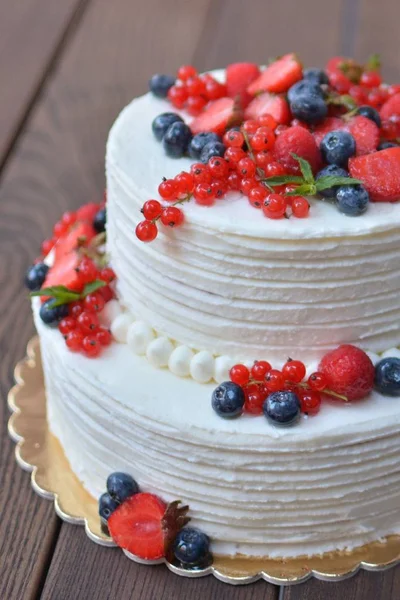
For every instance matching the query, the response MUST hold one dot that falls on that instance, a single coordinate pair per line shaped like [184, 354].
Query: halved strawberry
[217, 117]
[79, 234]
[297, 140]
[343, 73]
[63, 272]
[145, 526]
[279, 76]
[365, 133]
[380, 174]
[329, 124]
[238, 78]
[270, 104]
[391, 107]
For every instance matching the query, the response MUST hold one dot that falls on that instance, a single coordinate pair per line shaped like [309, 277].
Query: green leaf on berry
[373, 63]
[282, 179]
[305, 168]
[306, 189]
[342, 100]
[61, 293]
[93, 286]
[330, 181]
[352, 70]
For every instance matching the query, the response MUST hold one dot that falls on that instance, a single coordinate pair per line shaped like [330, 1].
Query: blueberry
[337, 147]
[199, 141]
[177, 139]
[309, 108]
[212, 149]
[121, 486]
[191, 547]
[282, 408]
[160, 84]
[107, 505]
[305, 87]
[52, 315]
[331, 171]
[370, 113]
[228, 400]
[161, 123]
[35, 276]
[387, 376]
[99, 221]
[385, 145]
[317, 75]
[352, 200]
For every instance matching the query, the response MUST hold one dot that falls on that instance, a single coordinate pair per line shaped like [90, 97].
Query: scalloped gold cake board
[39, 452]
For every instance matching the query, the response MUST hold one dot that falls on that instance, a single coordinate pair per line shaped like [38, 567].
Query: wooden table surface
[67, 67]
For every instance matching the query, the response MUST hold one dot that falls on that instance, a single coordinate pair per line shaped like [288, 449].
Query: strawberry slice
[238, 78]
[269, 104]
[365, 133]
[145, 526]
[380, 174]
[329, 124]
[297, 140]
[391, 107]
[343, 73]
[217, 117]
[63, 272]
[87, 212]
[79, 234]
[279, 76]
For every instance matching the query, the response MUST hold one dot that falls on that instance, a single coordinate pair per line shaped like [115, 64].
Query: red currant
[246, 167]
[204, 194]
[196, 86]
[371, 79]
[184, 183]
[185, 72]
[103, 336]
[239, 374]
[195, 105]
[146, 231]
[233, 155]
[74, 340]
[47, 246]
[168, 189]
[200, 173]
[250, 126]
[177, 95]
[107, 293]
[263, 139]
[94, 302]
[294, 371]
[358, 93]
[260, 369]
[317, 381]
[254, 400]
[267, 121]
[393, 89]
[300, 206]
[75, 308]
[59, 229]
[233, 181]
[91, 346]
[257, 196]
[88, 321]
[274, 381]
[66, 325]
[247, 184]
[107, 274]
[219, 187]
[218, 167]
[376, 98]
[172, 216]
[274, 169]
[233, 139]
[68, 218]
[274, 206]
[151, 209]
[87, 270]
[215, 89]
[263, 158]
[310, 401]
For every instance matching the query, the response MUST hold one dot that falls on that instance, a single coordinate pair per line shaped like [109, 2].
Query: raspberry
[349, 371]
[297, 140]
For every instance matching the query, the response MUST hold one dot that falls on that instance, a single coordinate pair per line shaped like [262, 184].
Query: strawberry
[238, 78]
[349, 371]
[279, 76]
[380, 173]
[270, 104]
[217, 117]
[343, 73]
[145, 526]
[329, 124]
[300, 141]
[365, 133]
[63, 272]
[79, 234]
[391, 107]
[87, 212]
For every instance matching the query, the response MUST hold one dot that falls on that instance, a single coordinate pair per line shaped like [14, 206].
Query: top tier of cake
[234, 283]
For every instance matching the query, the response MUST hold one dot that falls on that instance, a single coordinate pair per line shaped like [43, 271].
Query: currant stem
[186, 198]
[305, 386]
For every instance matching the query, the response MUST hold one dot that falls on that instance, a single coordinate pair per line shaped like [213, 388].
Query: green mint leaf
[305, 168]
[62, 294]
[330, 180]
[343, 100]
[352, 70]
[373, 63]
[93, 286]
[282, 179]
[307, 189]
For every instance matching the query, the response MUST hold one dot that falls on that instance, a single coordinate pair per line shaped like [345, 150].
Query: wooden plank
[377, 31]
[32, 32]
[107, 573]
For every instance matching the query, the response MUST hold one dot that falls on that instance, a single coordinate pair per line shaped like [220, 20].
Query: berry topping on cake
[379, 173]
[352, 200]
[282, 408]
[35, 276]
[228, 400]
[331, 171]
[238, 78]
[100, 220]
[269, 104]
[212, 148]
[279, 76]
[387, 376]
[199, 141]
[317, 76]
[160, 84]
[391, 108]
[370, 113]
[192, 548]
[365, 133]
[51, 313]
[217, 117]
[348, 371]
[161, 124]
[337, 147]
[176, 139]
[121, 486]
[299, 141]
[107, 505]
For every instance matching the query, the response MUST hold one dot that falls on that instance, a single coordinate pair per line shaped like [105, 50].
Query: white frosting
[331, 482]
[179, 361]
[202, 367]
[159, 351]
[119, 327]
[139, 336]
[234, 283]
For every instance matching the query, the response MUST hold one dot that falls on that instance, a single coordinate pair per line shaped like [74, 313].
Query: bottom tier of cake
[332, 482]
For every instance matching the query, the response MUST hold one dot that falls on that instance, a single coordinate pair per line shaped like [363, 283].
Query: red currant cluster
[261, 380]
[192, 92]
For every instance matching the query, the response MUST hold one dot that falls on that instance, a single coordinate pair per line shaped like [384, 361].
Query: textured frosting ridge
[234, 283]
